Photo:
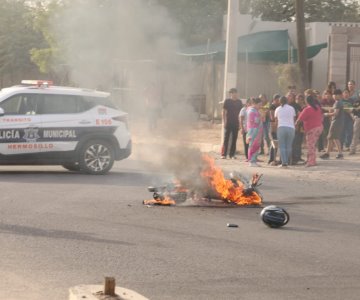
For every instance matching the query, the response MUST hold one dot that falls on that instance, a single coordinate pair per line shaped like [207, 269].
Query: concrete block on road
[81, 292]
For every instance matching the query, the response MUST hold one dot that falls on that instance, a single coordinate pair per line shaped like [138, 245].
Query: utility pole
[301, 41]
[231, 52]
[230, 76]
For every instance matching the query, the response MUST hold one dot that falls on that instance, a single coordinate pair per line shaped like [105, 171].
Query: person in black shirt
[230, 114]
[299, 134]
[356, 128]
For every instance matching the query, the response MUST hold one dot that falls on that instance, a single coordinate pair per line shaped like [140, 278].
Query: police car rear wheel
[96, 157]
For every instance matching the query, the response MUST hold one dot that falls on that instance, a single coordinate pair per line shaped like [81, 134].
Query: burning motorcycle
[233, 190]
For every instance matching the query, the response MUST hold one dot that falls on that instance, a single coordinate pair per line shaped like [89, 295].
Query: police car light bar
[38, 83]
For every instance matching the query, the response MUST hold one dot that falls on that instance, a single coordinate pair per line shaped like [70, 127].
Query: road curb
[81, 292]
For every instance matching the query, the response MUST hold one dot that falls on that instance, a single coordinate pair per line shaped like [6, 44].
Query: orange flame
[166, 201]
[226, 188]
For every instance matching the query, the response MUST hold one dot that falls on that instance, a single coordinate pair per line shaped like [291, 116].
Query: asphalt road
[60, 229]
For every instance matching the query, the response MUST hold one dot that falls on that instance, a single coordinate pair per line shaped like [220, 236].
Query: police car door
[63, 121]
[19, 130]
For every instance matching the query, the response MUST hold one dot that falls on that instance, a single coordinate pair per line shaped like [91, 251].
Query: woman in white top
[285, 117]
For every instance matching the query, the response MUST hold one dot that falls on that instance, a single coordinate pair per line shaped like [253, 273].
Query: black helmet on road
[274, 216]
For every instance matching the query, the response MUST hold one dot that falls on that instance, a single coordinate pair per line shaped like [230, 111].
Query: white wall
[316, 33]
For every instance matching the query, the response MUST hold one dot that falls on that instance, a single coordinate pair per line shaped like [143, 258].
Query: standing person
[254, 131]
[317, 96]
[356, 128]
[331, 87]
[336, 126]
[312, 119]
[243, 126]
[299, 133]
[300, 101]
[273, 128]
[347, 133]
[326, 101]
[291, 90]
[285, 116]
[264, 111]
[353, 92]
[230, 114]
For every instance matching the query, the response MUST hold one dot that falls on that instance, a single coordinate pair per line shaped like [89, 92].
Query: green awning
[265, 46]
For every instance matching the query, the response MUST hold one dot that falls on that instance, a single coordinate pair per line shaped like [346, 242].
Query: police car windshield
[94, 101]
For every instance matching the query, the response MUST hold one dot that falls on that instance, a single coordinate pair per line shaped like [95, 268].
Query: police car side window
[11, 106]
[29, 105]
[20, 105]
[94, 101]
[60, 104]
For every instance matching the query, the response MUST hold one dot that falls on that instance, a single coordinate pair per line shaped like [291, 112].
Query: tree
[301, 39]
[93, 39]
[48, 55]
[198, 20]
[287, 74]
[16, 38]
[315, 10]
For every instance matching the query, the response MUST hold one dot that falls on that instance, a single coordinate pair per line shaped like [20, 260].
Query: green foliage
[96, 40]
[16, 39]
[43, 58]
[33, 34]
[315, 10]
[198, 20]
[201, 20]
[48, 55]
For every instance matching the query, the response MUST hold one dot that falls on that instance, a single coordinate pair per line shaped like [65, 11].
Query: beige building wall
[325, 66]
[253, 79]
[343, 36]
[317, 33]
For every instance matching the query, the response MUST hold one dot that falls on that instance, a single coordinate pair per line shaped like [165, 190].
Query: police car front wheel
[96, 157]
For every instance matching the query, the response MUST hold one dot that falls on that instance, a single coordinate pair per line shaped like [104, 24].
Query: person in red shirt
[331, 87]
[327, 99]
[312, 119]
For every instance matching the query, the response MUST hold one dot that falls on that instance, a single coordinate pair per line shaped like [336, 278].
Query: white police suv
[42, 124]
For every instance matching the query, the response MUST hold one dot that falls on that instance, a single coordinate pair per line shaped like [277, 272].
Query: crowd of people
[283, 124]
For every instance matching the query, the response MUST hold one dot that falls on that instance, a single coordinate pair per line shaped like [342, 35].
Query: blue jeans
[272, 152]
[285, 137]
